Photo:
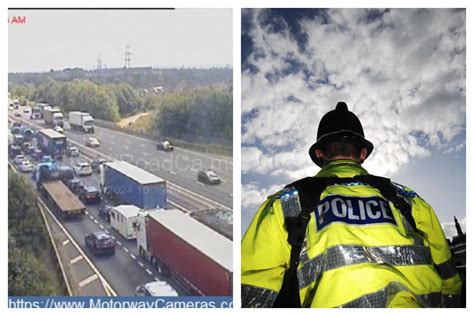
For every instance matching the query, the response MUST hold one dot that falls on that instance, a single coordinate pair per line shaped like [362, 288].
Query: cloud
[253, 196]
[402, 72]
[450, 228]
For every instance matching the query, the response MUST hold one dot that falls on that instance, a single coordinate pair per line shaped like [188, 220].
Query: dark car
[65, 173]
[27, 148]
[104, 212]
[14, 150]
[16, 124]
[164, 145]
[89, 195]
[37, 154]
[95, 164]
[75, 185]
[208, 176]
[100, 243]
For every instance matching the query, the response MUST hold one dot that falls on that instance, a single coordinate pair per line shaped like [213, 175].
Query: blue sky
[402, 71]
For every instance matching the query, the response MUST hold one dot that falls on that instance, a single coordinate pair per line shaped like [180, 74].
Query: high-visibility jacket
[359, 251]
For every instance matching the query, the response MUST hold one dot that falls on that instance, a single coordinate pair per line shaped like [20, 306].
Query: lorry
[57, 195]
[27, 133]
[51, 143]
[125, 183]
[81, 121]
[42, 107]
[35, 113]
[123, 219]
[189, 252]
[53, 117]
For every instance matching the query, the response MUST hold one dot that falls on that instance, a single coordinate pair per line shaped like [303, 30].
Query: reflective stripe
[383, 297]
[345, 255]
[254, 296]
[447, 269]
[290, 202]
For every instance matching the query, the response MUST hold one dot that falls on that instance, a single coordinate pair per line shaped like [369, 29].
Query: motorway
[179, 167]
[125, 270]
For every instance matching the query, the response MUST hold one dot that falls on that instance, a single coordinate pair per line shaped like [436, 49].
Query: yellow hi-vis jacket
[359, 251]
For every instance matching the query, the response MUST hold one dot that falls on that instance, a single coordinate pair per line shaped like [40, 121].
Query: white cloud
[402, 74]
[253, 196]
[450, 228]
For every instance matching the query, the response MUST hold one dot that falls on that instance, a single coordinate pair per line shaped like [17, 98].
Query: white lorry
[81, 121]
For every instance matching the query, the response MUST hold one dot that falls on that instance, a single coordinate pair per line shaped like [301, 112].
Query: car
[59, 129]
[47, 158]
[95, 164]
[208, 176]
[100, 243]
[72, 151]
[26, 110]
[26, 166]
[89, 195]
[75, 185]
[165, 145]
[14, 150]
[27, 148]
[82, 168]
[104, 212]
[36, 154]
[16, 124]
[156, 288]
[17, 114]
[92, 142]
[18, 159]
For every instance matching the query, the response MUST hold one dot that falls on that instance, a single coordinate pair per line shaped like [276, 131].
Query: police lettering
[353, 210]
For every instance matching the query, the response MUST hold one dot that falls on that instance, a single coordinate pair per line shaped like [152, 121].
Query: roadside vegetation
[195, 109]
[32, 267]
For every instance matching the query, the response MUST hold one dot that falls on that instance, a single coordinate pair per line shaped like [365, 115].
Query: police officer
[345, 238]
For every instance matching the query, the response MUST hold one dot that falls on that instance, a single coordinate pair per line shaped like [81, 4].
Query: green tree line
[189, 114]
[32, 268]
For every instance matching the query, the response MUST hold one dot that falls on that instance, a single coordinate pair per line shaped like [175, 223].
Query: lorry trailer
[125, 183]
[53, 117]
[81, 121]
[182, 248]
[52, 143]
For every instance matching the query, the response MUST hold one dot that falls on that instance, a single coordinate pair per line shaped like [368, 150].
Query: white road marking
[125, 249]
[172, 172]
[133, 256]
[91, 217]
[88, 280]
[87, 212]
[156, 279]
[199, 183]
[140, 264]
[149, 272]
[95, 221]
[76, 259]
[113, 237]
[118, 242]
[67, 241]
[101, 226]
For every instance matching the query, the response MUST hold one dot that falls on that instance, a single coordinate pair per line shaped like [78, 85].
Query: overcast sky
[401, 71]
[170, 38]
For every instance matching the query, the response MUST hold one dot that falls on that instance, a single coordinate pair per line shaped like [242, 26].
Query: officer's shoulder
[405, 191]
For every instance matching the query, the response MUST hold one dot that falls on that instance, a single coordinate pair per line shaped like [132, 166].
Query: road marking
[172, 172]
[149, 272]
[118, 242]
[113, 237]
[145, 154]
[156, 279]
[67, 241]
[88, 280]
[133, 256]
[101, 226]
[140, 264]
[199, 183]
[76, 259]
[106, 231]
[125, 249]
[91, 217]
[87, 212]
[95, 221]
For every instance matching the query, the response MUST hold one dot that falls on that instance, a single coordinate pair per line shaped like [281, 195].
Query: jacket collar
[342, 169]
